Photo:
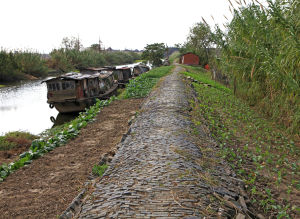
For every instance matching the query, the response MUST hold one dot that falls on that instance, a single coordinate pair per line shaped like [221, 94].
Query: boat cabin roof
[94, 69]
[80, 76]
[124, 68]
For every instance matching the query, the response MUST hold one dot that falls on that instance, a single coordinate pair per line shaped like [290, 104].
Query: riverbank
[12, 144]
[53, 180]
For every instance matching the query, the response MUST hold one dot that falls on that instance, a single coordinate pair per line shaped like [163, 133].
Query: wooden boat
[73, 92]
[122, 75]
[125, 74]
[140, 69]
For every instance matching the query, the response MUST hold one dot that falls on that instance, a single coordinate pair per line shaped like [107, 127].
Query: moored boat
[140, 69]
[73, 92]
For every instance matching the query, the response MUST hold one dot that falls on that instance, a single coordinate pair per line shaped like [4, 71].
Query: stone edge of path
[74, 208]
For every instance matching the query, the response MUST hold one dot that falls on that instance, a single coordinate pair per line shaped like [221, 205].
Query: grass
[139, 60]
[204, 77]
[142, 85]
[99, 170]
[1, 85]
[16, 139]
[174, 57]
[263, 153]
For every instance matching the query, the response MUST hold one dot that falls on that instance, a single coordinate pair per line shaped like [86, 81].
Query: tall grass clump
[65, 60]
[14, 65]
[15, 139]
[261, 56]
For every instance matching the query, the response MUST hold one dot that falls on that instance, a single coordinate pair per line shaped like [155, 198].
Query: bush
[16, 139]
[14, 65]
[66, 60]
[99, 170]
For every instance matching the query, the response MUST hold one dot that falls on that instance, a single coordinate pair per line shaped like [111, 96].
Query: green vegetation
[55, 137]
[65, 60]
[60, 137]
[174, 57]
[139, 60]
[19, 65]
[71, 56]
[154, 53]
[260, 53]
[16, 139]
[142, 85]
[198, 42]
[264, 155]
[99, 170]
[204, 77]
[15, 65]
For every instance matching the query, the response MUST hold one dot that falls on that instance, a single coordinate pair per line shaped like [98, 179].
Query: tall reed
[261, 55]
[14, 65]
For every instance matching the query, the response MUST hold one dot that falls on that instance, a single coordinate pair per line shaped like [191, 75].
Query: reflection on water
[24, 107]
[62, 118]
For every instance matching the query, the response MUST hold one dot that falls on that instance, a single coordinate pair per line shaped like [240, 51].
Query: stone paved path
[155, 173]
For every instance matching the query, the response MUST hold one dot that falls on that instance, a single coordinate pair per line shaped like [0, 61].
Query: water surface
[24, 107]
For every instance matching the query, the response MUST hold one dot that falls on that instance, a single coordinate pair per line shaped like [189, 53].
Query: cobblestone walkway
[155, 173]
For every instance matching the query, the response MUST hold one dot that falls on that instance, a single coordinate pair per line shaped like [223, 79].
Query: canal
[24, 107]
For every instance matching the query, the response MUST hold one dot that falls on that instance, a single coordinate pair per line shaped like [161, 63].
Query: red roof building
[189, 59]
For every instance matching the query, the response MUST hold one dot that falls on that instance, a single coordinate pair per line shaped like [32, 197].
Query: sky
[41, 25]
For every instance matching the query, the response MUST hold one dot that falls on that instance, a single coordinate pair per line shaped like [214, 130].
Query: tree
[154, 53]
[71, 43]
[199, 41]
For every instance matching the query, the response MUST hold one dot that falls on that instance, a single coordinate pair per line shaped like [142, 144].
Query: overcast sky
[120, 24]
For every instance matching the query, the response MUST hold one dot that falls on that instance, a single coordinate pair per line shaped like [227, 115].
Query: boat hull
[70, 106]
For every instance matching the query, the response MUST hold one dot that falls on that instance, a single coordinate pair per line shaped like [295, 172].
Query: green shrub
[66, 60]
[99, 170]
[13, 65]
[16, 139]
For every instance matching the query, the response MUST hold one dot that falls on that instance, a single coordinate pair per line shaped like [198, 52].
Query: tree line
[18, 65]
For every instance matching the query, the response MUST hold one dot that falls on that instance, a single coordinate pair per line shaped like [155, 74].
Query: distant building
[189, 59]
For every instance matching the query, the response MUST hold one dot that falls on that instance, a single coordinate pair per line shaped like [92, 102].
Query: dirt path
[45, 188]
